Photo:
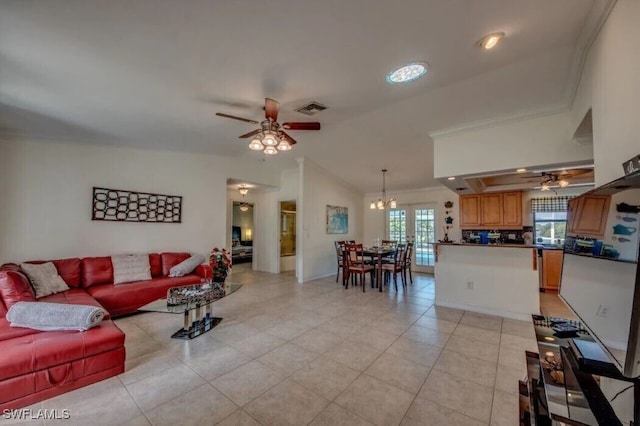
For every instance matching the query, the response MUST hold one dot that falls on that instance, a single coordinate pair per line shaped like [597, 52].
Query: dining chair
[396, 267]
[393, 244]
[406, 262]
[356, 265]
[340, 258]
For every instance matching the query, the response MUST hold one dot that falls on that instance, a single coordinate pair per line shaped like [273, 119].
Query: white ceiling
[152, 74]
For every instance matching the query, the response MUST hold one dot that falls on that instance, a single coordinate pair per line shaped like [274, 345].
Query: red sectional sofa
[36, 365]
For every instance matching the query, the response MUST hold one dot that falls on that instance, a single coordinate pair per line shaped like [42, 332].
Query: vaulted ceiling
[152, 73]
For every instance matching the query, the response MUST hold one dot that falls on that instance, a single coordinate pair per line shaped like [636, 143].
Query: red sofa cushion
[96, 270]
[155, 261]
[125, 298]
[68, 269]
[14, 288]
[169, 260]
[41, 350]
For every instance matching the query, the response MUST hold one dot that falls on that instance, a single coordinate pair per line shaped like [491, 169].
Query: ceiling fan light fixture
[256, 145]
[284, 145]
[407, 73]
[490, 41]
[545, 187]
[563, 183]
[270, 150]
[270, 139]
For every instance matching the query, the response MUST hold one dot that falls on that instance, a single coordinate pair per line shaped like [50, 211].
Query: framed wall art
[337, 220]
[120, 205]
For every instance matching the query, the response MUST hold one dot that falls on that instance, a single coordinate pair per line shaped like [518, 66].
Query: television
[600, 277]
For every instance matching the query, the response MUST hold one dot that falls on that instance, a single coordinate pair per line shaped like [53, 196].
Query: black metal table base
[196, 328]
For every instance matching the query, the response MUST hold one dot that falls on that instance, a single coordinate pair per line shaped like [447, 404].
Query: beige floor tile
[217, 362]
[325, 377]
[479, 334]
[376, 401]
[488, 322]
[371, 336]
[507, 378]
[335, 415]
[288, 358]
[258, 344]
[247, 382]
[148, 365]
[287, 404]
[317, 340]
[505, 410]
[239, 418]
[512, 357]
[354, 355]
[399, 372]
[138, 421]
[204, 402]
[424, 412]
[288, 330]
[155, 390]
[464, 367]
[395, 328]
[518, 328]
[427, 335]
[436, 324]
[447, 314]
[481, 350]
[518, 343]
[87, 405]
[460, 395]
[234, 332]
[412, 350]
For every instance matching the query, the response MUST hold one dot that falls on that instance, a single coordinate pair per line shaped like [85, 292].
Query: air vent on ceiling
[311, 108]
[461, 189]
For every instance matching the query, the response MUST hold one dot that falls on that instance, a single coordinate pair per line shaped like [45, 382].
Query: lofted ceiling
[152, 74]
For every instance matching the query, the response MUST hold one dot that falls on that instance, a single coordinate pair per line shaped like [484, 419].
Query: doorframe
[279, 230]
[254, 231]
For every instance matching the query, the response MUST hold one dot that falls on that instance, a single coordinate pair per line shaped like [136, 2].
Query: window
[549, 227]
[425, 236]
[398, 225]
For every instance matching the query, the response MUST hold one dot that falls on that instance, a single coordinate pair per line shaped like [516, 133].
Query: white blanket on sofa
[47, 316]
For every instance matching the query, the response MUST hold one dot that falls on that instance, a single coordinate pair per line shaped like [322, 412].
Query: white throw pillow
[186, 266]
[44, 278]
[130, 267]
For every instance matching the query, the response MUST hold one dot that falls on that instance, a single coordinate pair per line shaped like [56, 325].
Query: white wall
[374, 219]
[46, 191]
[319, 189]
[521, 143]
[611, 87]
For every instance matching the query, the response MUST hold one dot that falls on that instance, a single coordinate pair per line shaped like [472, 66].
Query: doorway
[415, 223]
[242, 236]
[287, 236]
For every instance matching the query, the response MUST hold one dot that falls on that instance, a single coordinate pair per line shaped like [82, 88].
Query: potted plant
[220, 262]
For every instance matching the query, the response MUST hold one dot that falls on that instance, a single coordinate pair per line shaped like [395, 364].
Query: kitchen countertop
[506, 245]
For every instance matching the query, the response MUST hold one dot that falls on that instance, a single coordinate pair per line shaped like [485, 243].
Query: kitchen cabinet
[587, 215]
[551, 269]
[499, 210]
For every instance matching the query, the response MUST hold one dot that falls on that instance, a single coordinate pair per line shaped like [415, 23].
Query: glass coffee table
[194, 302]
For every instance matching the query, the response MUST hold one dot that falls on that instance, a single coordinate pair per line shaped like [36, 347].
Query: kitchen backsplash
[511, 236]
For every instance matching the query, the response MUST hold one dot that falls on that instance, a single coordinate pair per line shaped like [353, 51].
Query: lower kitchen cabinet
[551, 269]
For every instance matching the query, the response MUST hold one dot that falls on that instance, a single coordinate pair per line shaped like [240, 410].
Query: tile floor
[314, 353]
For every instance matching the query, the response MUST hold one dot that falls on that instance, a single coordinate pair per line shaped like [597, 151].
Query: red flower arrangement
[220, 262]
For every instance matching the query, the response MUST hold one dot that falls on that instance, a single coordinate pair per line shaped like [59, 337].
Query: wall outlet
[603, 311]
[470, 285]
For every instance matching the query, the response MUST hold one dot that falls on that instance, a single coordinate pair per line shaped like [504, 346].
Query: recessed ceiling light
[490, 41]
[451, 178]
[407, 73]
[521, 170]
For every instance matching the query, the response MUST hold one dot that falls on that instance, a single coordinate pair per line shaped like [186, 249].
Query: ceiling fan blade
[313, 125]
[248, 135]
[289, 139]
[219, 114]
[271, 109]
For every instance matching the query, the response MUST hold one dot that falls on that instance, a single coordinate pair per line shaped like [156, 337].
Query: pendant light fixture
[382, 203]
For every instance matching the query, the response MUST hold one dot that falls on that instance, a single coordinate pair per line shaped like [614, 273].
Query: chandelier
[270, 140]
[382, 203]
[243, 190]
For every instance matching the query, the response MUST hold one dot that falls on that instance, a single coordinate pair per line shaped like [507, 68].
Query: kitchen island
[495, 279]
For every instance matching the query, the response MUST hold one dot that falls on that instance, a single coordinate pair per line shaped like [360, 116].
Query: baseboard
[488, 311]
[317, 277]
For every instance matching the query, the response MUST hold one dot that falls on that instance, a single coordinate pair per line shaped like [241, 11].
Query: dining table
[377, 254]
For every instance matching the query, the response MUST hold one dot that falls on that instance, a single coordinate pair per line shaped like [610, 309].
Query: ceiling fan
[271, 137]
[560, 178]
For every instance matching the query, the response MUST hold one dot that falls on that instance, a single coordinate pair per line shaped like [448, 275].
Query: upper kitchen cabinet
[587, 215]
[500, 210]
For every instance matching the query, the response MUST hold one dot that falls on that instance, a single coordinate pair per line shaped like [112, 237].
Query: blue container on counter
[596, 250]
[484, 237]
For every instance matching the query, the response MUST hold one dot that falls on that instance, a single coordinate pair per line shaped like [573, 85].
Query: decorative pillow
[44, 278]
[186, 266]
[130, 267]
